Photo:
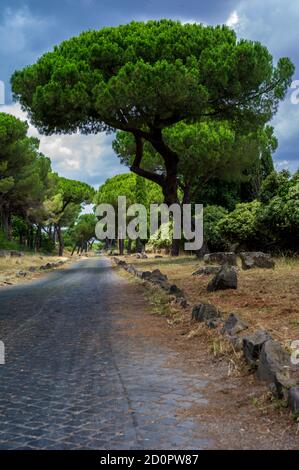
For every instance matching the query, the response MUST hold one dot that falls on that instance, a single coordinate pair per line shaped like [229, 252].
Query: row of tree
[35, 203]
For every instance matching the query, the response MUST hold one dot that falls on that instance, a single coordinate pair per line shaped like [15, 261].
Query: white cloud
[272, 22]
[233, 19]
[18, 28]
[88, 158]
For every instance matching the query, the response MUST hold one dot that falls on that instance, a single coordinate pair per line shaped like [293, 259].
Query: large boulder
[206, 270]
[204, 312]
[276, 369]
[234, 325]
[256, 259]
[252, 345]
[226, 278]
[221, 258]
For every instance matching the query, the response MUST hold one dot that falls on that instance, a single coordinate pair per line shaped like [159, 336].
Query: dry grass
[11, 267]
[264, 298]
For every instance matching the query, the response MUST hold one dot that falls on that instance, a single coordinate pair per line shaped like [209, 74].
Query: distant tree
[142, 78]
[137, 190]
[64, 205]
[82, 233]
[23, 172]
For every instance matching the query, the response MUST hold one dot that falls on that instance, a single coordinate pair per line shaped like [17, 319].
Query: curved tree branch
[135, 168]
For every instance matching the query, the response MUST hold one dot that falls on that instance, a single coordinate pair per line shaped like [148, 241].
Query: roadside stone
[214, 324]
[145, 275]
[256, 259]
[221, 258]
[275, 368]
[131, 269]
[181, 302]
[252, 345]
[16, 254]
[234, 325]
[158, 257]
[22, 274]
[226, 278]
[44, 267]
[204, 312]
[32, 269]
[206, 270]
[175, 290]
[157, 276]
[293, 399]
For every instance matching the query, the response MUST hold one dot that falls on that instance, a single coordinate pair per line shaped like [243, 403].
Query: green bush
[241, 225]
[8, 244]
[157, 241]
[279, 218]
[212, 215]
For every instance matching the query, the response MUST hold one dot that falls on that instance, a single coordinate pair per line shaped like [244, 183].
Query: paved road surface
[75, 379]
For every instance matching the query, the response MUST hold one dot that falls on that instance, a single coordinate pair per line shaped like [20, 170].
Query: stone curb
[157, 278]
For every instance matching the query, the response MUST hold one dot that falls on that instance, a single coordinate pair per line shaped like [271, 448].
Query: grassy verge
[12, 269]
[264, 299]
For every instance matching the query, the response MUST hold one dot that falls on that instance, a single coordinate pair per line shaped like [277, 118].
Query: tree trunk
[121, 246]
[6, 223]
[129, 246]
[60, 240]
[38, 238]
[139, 246]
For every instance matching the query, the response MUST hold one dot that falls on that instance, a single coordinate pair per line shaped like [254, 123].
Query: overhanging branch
[135, 168]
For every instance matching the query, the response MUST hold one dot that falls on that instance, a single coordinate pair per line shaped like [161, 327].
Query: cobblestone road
[73, 378]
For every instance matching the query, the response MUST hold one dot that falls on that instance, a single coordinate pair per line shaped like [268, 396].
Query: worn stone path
[75, 379]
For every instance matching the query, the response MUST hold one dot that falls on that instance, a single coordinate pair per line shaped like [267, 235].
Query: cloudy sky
[30, 28]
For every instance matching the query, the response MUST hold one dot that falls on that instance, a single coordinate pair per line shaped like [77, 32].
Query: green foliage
[31, 196]
[276, 184]
[137, 190]
[279, 219]
[149, 74]
[214, 159]
[143, 78]
[6, 244]
[240, 225]
[212, 216]
[83, 230]
[162, 239]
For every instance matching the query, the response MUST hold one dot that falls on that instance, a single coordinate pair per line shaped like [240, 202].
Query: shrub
[240, 226]
[279, 219]
[212, 215]
[157, 241]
